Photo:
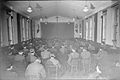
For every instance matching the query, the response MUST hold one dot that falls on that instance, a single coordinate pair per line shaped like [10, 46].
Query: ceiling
[64, 8]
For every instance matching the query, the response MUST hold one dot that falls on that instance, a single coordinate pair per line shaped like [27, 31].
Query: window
[116, 36]
[103, 26]
[10, 27]
[91, 28]
[87, 29]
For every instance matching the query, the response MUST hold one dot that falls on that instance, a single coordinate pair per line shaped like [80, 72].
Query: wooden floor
[18, 74]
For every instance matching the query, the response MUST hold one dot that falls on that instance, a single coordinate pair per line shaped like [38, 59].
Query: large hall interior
[59, 39]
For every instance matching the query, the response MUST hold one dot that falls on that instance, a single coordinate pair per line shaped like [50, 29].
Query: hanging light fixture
[29, 9]
[41, 19]
[73, 19]
[92, 6]
[85, 8]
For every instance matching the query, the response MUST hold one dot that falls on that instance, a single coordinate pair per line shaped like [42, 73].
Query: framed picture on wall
[76, 30]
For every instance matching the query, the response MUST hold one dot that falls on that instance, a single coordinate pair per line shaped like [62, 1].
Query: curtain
[29, 30]
[110, 26]
[84, 29]
[10, 30]
[118, 28]
[23, 29]
[116, 33]
[87, 29]
[99, 26]
[103, 26]
[91, 26]
[15, 26]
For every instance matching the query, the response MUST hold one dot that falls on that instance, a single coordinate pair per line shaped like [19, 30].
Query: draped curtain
[116, 35]
[29, 29]
[103, 26]
[110, 26]
[87, 29]
[10, 28]
[25, 29]
[99, 26]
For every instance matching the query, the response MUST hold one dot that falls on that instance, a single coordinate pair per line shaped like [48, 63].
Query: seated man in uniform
[72, 55]
[73, 60]
[12, 51]
[35, 71]
[31, 56]
[25, 50]
[45, 54]
[54, 61]
[20, 57]
[42, 48]
[62, 49]
[86, 60]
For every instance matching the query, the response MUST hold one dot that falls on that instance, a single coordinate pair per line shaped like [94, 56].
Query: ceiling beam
[60, 0]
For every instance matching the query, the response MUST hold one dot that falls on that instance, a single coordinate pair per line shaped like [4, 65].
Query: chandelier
[86, 7]
[29, 9]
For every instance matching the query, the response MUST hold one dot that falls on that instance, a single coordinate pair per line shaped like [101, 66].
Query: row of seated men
[56, 58]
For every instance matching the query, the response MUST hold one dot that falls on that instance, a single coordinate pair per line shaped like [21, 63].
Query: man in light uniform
[54, 61]
[73, 60]
[30, 58]
[45, 54]
[86, 60]
[20, 57]
[35, 71]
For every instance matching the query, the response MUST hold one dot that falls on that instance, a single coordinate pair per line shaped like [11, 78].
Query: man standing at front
[35, 71]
